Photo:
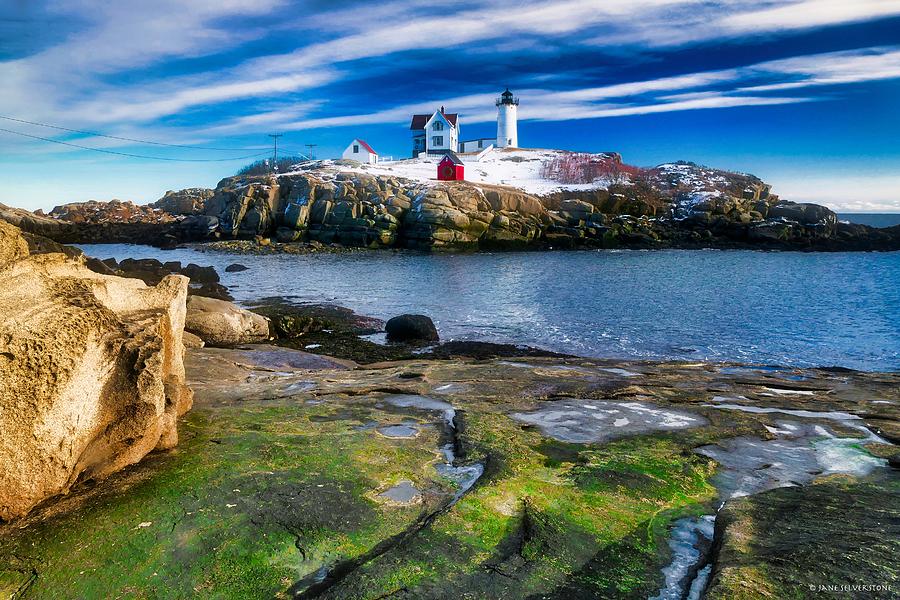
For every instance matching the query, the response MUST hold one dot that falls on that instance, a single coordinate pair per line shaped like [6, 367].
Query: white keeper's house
[361, 151]
[438, 133]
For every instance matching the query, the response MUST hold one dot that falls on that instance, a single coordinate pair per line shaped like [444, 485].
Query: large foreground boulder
[91, 372]
[221, 323]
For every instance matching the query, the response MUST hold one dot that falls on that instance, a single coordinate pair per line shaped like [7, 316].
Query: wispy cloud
[703, 90]
[76, 77]
[807, 14]
[869, 64]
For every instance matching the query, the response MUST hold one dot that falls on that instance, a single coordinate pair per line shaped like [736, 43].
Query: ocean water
[779, 308]
[872, 219]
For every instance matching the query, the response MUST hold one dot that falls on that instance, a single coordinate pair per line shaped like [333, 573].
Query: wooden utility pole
[311, 155]
[275, 137]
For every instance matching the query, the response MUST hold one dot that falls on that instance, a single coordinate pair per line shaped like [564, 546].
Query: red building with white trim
[451, 168]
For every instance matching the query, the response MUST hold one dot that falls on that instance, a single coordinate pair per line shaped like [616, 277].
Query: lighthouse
[507, 128]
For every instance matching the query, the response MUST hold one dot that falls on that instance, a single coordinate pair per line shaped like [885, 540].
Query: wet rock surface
[589, 421]
[840, 536]
[285, 484]
[337, 331]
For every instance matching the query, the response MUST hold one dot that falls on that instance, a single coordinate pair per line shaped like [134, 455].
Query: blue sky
[803, 93]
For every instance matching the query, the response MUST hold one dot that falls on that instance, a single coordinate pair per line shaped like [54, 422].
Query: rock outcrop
[204, 281]
[114, 211]
[91, 368]
[316, 451]
[676, 205]
[221, 323]
[190, 201]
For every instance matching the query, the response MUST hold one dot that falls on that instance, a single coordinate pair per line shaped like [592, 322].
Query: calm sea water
[872, 219]
[785, 308]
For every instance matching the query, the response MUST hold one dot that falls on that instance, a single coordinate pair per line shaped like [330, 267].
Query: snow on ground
[695, 177]
[690, 184]
[692, 199]
[517, 167]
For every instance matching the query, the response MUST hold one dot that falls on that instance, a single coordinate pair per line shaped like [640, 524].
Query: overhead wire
[125, 139]
[130, 155]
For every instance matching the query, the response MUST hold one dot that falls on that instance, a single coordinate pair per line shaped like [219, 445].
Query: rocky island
[418, 469]
[517, 200]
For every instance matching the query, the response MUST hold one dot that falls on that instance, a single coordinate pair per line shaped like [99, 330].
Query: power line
[43, 139]
[125, 139]
[275, 137]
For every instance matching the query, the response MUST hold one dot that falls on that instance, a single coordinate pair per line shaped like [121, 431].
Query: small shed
[361, 151]
[451, 168]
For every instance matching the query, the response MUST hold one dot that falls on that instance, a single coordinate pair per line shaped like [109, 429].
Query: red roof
[366, 146]
[418, 121]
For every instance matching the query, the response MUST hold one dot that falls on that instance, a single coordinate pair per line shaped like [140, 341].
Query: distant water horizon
[799, 309]
[871, 219]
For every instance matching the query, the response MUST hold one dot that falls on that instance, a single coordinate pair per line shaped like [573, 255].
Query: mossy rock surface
[801, 541]
[278, 488]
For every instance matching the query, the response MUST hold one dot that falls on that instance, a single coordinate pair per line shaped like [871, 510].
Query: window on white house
[437, 140]
[437, 126]
[480, 144]
[355, 149]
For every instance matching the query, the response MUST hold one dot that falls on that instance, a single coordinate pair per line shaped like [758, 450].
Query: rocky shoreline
[331, 205]
[298, 476]
[319, 461]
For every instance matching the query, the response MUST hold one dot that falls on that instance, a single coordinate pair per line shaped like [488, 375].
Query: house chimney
[442, 110]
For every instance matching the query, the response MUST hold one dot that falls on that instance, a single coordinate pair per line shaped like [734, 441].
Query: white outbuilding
[361, 151]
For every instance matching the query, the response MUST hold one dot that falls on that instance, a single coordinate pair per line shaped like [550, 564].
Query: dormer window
[437, 126]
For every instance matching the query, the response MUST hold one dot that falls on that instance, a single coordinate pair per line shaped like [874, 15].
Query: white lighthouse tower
[507, 127]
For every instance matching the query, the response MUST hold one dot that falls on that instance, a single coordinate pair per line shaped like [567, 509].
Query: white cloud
[807, 14]
[153, 105]
[126, 35]
[869, 64]
[121, 37]
[69, 78]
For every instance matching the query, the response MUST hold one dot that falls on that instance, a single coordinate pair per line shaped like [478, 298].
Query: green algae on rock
[278, 486]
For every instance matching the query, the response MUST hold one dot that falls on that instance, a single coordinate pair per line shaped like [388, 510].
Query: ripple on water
[640, 305]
